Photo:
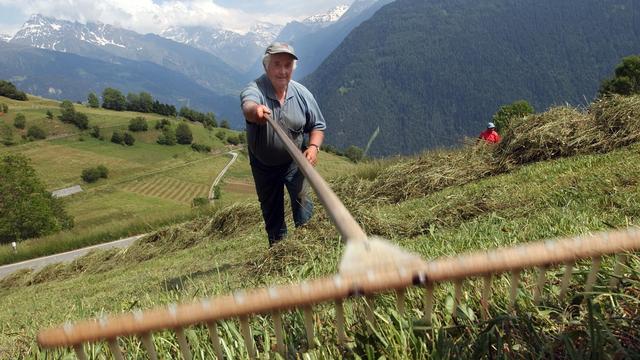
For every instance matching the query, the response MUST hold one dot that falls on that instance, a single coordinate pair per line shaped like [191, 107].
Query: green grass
[115, 206]
[227, 250]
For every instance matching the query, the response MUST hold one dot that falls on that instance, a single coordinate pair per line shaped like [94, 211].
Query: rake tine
[428, 303]
[215, 338]
[277, 327]
[593, 275]
[486, 293]
[566, 279]
[308, 326]
[369, 311]
[457, 290]
[515, 282]
[340, 323]
[147, 342]
[79, 349]
[115, 349]
[621, 260]
[184, 345]
[400, 301]
[537, 296]
[248, 338]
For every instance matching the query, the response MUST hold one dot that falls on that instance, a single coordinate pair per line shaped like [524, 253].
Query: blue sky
[154, 15]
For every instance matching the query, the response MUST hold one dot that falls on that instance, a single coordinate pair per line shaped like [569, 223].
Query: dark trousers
[270, 183]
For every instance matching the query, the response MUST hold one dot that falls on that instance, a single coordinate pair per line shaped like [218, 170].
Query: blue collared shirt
[299, 114]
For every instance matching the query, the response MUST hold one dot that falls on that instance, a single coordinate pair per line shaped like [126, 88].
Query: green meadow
[439, 203]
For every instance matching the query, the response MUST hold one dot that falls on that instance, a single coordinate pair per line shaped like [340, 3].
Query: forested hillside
[428, 72]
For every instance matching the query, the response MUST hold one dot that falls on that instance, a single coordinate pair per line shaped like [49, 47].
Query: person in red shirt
[490, 135]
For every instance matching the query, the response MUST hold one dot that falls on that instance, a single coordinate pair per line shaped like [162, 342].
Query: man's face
[280, 69]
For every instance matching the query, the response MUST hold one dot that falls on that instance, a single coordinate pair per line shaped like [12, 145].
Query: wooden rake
[369, 266]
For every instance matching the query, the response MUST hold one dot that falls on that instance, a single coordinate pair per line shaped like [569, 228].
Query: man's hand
[261, 112]
[312, 155]
[255, 113]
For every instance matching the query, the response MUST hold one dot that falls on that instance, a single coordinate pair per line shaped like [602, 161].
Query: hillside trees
[7, 89]
[113, 99]
[28, 209]
[208, 119]
[183, 134]
[138, 124]
[36, 132]
[167, 137]
[516, 109]
[94, 174]
[68, 114]
[626, 80]
[93, 101]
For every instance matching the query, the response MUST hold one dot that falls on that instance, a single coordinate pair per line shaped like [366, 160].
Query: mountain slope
[60, 75]
[429, 72]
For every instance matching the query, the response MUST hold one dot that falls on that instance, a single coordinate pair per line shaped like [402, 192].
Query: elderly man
[490, 135]
[294, 107]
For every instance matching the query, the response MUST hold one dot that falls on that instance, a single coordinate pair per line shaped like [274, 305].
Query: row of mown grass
[436, 204]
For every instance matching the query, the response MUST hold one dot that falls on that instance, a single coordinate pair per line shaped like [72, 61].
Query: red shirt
[490, 135]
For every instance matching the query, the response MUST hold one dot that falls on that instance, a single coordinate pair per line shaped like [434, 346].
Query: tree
[168, 137]
[162, 123]
[67, 111]
[93, 101]
[9, 90]
[354, 153]
[517, 109]
[626, 80]
[138, 124]
[81, 121]
[36, 132]
[183, 134]
[5, 108]
[224, 124]
[128, 139]
[28, 209]
[20, 121]
[113, 99]
[146, 102]
[233, 139]
[49, 115]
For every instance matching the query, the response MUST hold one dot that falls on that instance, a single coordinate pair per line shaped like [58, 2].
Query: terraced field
[167, 188]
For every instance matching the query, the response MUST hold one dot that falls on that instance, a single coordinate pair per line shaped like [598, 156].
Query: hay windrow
[619, 118]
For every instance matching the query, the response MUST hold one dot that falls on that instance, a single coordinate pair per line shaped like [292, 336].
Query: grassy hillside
[436, 204]
[148, 184]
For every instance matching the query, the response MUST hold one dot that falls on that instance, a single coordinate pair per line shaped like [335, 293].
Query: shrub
[201, 148]
[217, 192]
[95, 131]
[6, 134]
[81, 121]
[9, 90]
[93, 101]
[128, 139]
[117, 137]
[168, 137]
[354, 153]
[220, 135]
[506, 113]
[36, 132]
[233, 140]
[199, 202]
[225, 124]
[138, 124]
[20, 121]
[49, 115]
[94, 174]
[5, 108]
[162, 124]
[183, 134]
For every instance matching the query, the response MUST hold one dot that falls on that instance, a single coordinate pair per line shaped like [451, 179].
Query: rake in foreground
[369, 266]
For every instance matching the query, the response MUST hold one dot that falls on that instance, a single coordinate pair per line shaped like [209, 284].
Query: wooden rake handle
[340, 216]
[268, 300]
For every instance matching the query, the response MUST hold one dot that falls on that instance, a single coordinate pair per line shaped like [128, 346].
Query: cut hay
[619, 118]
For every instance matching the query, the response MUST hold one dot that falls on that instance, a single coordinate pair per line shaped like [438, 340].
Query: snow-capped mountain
[233, 48]
[327, 18]
[110, 43]
[5, 37]
[48, 33]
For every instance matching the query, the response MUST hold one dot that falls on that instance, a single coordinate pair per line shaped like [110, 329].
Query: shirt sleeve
[315, 120]
[251, 93]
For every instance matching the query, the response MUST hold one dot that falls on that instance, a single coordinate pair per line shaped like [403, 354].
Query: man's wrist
[316, 146]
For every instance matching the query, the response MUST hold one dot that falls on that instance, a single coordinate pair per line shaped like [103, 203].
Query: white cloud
[148, 16]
